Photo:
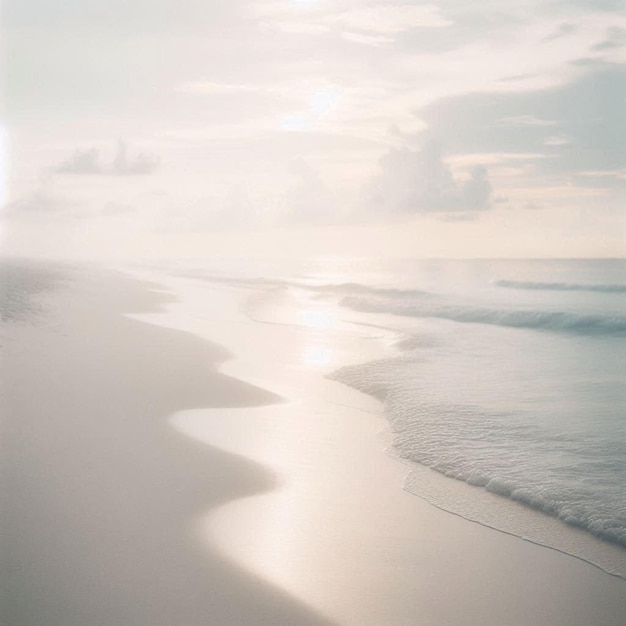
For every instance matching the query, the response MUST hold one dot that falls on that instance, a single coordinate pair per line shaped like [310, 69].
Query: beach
[169, 460]
[99, 493]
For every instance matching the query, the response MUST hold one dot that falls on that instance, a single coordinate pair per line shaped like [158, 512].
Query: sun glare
[316, 319]
[316, 356]
[295, 123]
[324, 101]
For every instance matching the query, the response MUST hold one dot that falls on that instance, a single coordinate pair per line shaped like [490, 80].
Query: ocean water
[506, 375]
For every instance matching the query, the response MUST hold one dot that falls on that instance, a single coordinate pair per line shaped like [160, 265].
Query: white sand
[339, 532]
[99, 493]
[124, 504]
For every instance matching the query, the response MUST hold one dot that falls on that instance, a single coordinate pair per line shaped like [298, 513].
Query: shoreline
[236, 522]
[520, 521]
[472, 503]
[156, 478]
[98, 492]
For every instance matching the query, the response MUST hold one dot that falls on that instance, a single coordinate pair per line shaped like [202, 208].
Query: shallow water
[506, 375]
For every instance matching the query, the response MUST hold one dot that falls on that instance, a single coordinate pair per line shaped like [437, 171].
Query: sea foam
[579, 482]
[511, 386]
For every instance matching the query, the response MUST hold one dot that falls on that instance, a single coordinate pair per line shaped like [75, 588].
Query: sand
[151, 478]
[339, 531]
[99, 492]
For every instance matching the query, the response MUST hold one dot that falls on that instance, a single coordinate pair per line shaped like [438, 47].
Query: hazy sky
[191, 127]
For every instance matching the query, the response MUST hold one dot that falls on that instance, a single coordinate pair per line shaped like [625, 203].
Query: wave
[499, 452]
[519, 284]
[358, 288]
[425, 304]
[567, 506]
[564, 506]
[555, 321]
[342, 289]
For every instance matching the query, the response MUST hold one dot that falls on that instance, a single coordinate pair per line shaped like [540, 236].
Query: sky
[191, 128]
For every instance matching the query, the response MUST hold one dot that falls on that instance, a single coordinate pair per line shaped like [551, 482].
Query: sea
[505, 376]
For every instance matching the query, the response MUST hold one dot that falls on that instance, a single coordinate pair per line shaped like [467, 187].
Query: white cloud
[128, 165]
[526, 120]
[557, 140]
[420, 181]
[493, 158]
[235, 95]
[87, 162]
[370, 24]
[81, 162]
[615, 38]
[515, 59]
[308, 200]
[389, 19]
[521, 56]
[606, 173]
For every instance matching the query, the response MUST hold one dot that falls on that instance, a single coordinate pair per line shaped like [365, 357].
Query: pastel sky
[167, 128]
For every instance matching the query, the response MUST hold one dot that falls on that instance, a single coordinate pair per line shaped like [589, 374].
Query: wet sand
[339, 531]
[150, 481]
[99, 493]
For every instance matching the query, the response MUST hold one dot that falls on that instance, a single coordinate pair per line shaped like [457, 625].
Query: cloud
[387, 19]
[420, 181]
[563, 30]
[308, 200]
[526, 120]
[302, 198]
[556, 140]
[236, 211]
[580, 126]
[497, 77]
[81, 162]
[370, 24]
[41, 204]
[615, 38]
[125, 165]
[233, 209]
[609, 179]
[476, 190]
[87, 162]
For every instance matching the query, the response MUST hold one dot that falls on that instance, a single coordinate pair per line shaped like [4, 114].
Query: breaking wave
[556, 321]
[577, 482]
[534, 416]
